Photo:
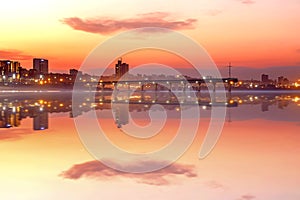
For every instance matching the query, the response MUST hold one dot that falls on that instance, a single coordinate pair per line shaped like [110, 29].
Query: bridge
[159, 84]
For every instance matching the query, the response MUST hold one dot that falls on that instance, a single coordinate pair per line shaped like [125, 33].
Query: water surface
[256, 157]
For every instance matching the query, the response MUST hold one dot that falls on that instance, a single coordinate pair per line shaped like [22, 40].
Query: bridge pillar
[143, 97]
[213, 98]
[229, 86]
[170, 87]
[214, 86]
[101, 99]
[156, 96]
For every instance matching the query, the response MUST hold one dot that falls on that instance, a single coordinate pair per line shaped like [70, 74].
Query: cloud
[213, 12]
[97, 170]
[247, 197]
[108, 25]
[247, 1]
[215, 185]
[14, 55]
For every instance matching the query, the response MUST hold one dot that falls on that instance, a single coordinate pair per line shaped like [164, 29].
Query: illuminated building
[40, 65]
[9, 70]
[282, 82]
[121, 68]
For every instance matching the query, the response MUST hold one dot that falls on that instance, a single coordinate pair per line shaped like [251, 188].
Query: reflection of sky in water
[257, 156]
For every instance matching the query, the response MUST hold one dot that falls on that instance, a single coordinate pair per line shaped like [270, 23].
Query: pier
[156, 85]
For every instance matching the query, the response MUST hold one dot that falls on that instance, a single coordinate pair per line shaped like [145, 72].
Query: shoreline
[69, 88]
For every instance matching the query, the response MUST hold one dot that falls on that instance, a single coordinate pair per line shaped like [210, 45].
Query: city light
[296, 99]
[39, 75]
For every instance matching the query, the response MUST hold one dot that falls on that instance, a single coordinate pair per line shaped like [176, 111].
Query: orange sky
[246, 32]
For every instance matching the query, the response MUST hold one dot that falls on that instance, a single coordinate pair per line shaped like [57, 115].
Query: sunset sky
[249, 33]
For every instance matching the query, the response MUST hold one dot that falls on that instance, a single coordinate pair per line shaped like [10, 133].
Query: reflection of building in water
[15, 108]
[265, 106]
[121, 112]
[282, 103]
[9, 117]
[40, 121]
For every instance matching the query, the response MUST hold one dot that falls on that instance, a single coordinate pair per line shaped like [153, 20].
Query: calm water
[256, 157]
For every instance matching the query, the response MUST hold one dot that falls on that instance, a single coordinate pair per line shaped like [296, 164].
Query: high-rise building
[121, 68]
[264, 78]
[280, 80]
[73, 72]
[40, 65]
[8, 67]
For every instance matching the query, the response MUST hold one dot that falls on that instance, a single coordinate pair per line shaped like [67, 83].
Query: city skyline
[13, 71]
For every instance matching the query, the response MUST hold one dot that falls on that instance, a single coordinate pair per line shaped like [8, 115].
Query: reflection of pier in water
[165, 98]
[15, 107]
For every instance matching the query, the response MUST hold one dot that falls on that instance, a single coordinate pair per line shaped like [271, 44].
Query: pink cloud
[215, 185]
[14, 55]
[247, 1]
[97, 170]
[213, 12]
[109, 25]
[247, 197]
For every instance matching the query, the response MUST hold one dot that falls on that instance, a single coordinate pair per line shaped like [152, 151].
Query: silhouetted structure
[9, 70]
[121, 68]
[264, 78]
[40, 65]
